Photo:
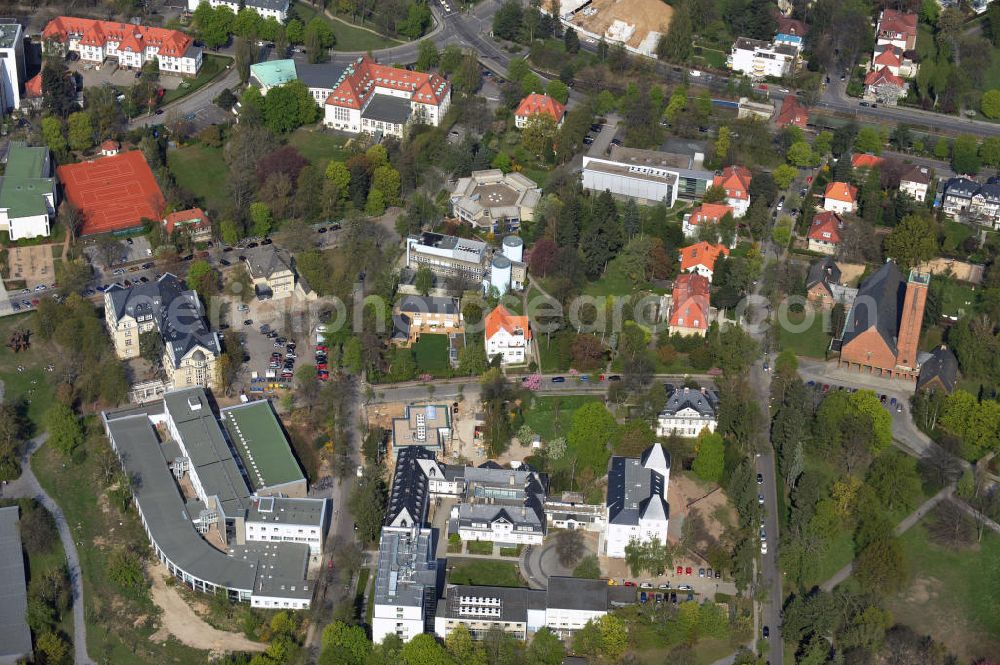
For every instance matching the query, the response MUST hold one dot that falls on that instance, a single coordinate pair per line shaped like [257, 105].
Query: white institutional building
[637, 506]
[276, 9]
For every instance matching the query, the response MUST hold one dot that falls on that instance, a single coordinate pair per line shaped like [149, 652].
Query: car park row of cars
[322, 369]
[891, 403]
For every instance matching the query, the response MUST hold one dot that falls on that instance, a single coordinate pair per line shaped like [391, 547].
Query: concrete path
[975, 514]
[27, 487]
[900, 529]
[540, 562]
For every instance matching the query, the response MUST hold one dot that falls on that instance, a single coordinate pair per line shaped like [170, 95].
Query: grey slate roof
[15, 637]
[261, 568]
[961, 187]
[942, 365]
[574, 593]
[318, 75]
[704, 401]
[824, 271]
[387, 108]
[176, 312]
[878, 305]
[428, 305]
[274, 5]
[636, 490]
[265, 261]
[990, 192]
[493, 494]
[408, 495]
[462, 600]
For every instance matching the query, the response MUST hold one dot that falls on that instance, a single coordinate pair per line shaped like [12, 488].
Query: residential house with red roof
[824, 232]
[535, 104]
[736, 181]
[706, 213]
[193, 222]
[110, 148]
[864, 160]
[792, 114]
[131, 45]
[507, 336]
[700, 258]
[840, 197]
[689, 305]
[374, 98]
[892, 62]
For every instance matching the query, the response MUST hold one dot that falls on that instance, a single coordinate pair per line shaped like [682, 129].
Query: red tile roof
[891, 56]
[112, 193]
[195, 218]
[500, 318]
[826, 227]
[792, 113]
[735, 180]
[709, 212]
[841, 191]
[879, 76]
[360, 79]
[33, 86]
[865, 161]
[535, 103]
[111, 145]
[690, 301]
[791, 26]
[701, 254]
[129, 37]
[896, 22]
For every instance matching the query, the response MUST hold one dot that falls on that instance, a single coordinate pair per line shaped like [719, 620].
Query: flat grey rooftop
[15, 637]
[387, 108]
[406, 567]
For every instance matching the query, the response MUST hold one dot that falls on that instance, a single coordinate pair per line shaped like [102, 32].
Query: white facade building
[759, 59]
[637, 500]
[647, 176]
[276, 9]
[11, 65]
[508, 336]
[688, 411]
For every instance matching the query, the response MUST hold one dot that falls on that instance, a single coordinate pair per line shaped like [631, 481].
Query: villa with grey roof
[501, 505]
[687, 412]
[190, 349]
[204, 521]
[636, 503]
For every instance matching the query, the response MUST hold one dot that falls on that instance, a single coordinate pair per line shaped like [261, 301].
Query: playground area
[32, 264]
[631, 22]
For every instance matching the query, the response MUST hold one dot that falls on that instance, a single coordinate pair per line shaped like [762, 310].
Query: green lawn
[318, 146]
[431, 353]
[555, 351]
[349, 38]
[32, 384]
[992, 78]
[551, 415]
[812, 342]
[202, 171]
[98, 528]
[480, 547]
[957, 298]
[212, 65]
[952, 595]
[486, 573]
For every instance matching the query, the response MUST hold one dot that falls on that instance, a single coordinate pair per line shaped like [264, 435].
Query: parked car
[760, 479]
[248, 322]
[687, 571]
[701, 572]
[558, 379]
[646, 585]
[680, 570]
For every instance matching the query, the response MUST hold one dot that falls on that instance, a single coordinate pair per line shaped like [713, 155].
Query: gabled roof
[826, 227]
[920, 175]
[962, 187]
[888, 56]
[791, 26]
[824, 271]
[409, 494]
[792, 113]
[705, 402]
[176, 312]
[360, 79]
[632, 483]
[655, 458]
[501, 319]
[878, 305]
[701, 254]
[865, 161]
[841, 191]
[129, 37]
[943, 366]
[33, 86]
[709, 212]
[883, 77]
[893, 22]
[735, 180]
[540, 104]
[690, 301]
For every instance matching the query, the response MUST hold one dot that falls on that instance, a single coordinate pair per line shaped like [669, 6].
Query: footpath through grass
[349, 38]
[952, 594]
[119, 623]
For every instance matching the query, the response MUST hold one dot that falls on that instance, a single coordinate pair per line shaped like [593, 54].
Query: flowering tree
[532, 382]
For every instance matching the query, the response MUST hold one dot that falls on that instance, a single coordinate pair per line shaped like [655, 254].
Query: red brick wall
[869, 348]
[909, 325]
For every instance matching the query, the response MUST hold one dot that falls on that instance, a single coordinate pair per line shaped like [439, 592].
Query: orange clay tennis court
[113, 193]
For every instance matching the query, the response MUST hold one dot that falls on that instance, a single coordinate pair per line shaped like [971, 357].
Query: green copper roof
[26, 181]
[273, 72]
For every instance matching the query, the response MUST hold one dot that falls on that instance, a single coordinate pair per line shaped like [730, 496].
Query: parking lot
[600, 136]
[108, 73]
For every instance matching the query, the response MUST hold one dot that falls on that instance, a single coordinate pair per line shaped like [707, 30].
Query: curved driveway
[27, 487]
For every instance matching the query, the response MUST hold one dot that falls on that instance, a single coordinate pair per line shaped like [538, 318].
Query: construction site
[637, 24]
